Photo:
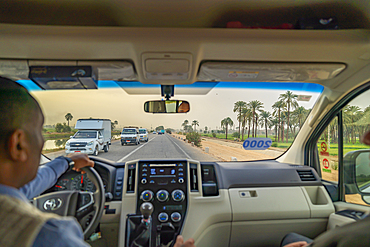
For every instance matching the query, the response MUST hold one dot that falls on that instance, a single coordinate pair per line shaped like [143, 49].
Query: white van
[130, 135]
[143, 133]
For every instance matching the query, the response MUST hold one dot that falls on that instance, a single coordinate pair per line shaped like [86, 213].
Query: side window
[327, 146]
[355, 161]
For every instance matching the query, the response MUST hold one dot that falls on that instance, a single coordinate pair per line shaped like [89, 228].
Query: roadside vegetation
[283, 124]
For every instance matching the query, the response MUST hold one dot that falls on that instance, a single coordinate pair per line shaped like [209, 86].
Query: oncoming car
[269, 143]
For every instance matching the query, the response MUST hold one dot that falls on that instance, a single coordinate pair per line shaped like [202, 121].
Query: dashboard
[204, 200]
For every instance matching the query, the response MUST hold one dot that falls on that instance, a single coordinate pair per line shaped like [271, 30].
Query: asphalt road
[158, 146]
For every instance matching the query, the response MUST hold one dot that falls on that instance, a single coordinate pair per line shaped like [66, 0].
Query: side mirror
[100, 137]
[71, 137]
[167, 106]
[357, 173]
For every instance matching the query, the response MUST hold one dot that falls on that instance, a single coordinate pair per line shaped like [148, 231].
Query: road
[158, 146]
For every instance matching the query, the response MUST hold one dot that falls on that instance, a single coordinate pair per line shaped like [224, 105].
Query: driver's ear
[18, 146]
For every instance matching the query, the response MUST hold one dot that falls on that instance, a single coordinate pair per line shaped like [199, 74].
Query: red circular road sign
[324, 147]
[325, 163]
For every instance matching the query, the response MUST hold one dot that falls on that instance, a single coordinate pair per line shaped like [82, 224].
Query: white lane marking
[181, 149]
[133, 151]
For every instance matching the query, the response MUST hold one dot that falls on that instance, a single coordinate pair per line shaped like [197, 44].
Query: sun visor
[253, 72]
[112, 70]
[197, 88]
[67, 74]
[14, 69]
[63, 77]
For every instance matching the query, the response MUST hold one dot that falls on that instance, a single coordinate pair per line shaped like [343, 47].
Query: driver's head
[183, 107]
[21, 140]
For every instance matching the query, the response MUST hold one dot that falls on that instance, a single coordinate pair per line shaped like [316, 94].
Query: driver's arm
[47, 176]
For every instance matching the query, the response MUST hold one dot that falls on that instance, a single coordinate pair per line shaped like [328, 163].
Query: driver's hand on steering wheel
[81, 161]
[180, 242]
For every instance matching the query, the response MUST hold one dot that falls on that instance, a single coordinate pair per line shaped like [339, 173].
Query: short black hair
[17, 109]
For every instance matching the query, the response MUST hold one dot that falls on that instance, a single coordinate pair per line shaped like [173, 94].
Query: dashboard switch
[181, 180]
[143, 181]
[175, 216]
[178, 195]
[163, 217]
[162, 195]
[147, 195]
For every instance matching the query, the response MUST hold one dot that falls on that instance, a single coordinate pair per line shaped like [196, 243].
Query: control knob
[147, 195]
[163, 217]
[175, 216]
[162, 195]
[178, 195]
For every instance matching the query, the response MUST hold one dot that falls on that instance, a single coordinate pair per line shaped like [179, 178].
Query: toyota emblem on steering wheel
[52, 204]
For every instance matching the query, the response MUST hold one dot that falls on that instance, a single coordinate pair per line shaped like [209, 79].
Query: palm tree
[352, 113]
[254, 105]
[246, 114]
[249, 119]
[291, 102]
[278, 106]
[265, 119]
[275, 123]
[68, 117]
[226, 122]
[283, 118]
[256, 125]
[300, 113]
[184, 124]
[238, 106]
[195, 123]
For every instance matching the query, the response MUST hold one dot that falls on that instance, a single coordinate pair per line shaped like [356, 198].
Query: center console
[163, 184]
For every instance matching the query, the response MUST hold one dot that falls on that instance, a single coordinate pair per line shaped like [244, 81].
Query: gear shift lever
[140, 227]
[146, 210]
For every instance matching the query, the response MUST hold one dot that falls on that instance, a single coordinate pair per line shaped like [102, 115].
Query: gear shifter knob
[146, 210]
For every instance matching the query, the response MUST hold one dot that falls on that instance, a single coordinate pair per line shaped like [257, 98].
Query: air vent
[131, 178]
[193, 178]
[306, 175]
[209, 181]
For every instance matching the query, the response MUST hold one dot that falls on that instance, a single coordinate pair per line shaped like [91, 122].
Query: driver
[21, 178]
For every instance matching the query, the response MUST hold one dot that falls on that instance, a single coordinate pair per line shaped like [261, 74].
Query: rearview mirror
[167, 106]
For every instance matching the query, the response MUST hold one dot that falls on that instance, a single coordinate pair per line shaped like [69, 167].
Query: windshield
[223, 119]
[128, 131]
[142, 131]
[85, 134]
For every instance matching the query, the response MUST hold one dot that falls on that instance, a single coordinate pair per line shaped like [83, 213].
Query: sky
[127, 109]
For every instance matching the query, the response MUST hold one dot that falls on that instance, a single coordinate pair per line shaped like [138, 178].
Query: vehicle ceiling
[124, 30]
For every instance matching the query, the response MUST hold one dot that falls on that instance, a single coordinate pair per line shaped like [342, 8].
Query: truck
[130, 135]
[93, 136]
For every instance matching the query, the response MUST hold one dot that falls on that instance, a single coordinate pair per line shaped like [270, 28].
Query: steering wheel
[87, 207]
